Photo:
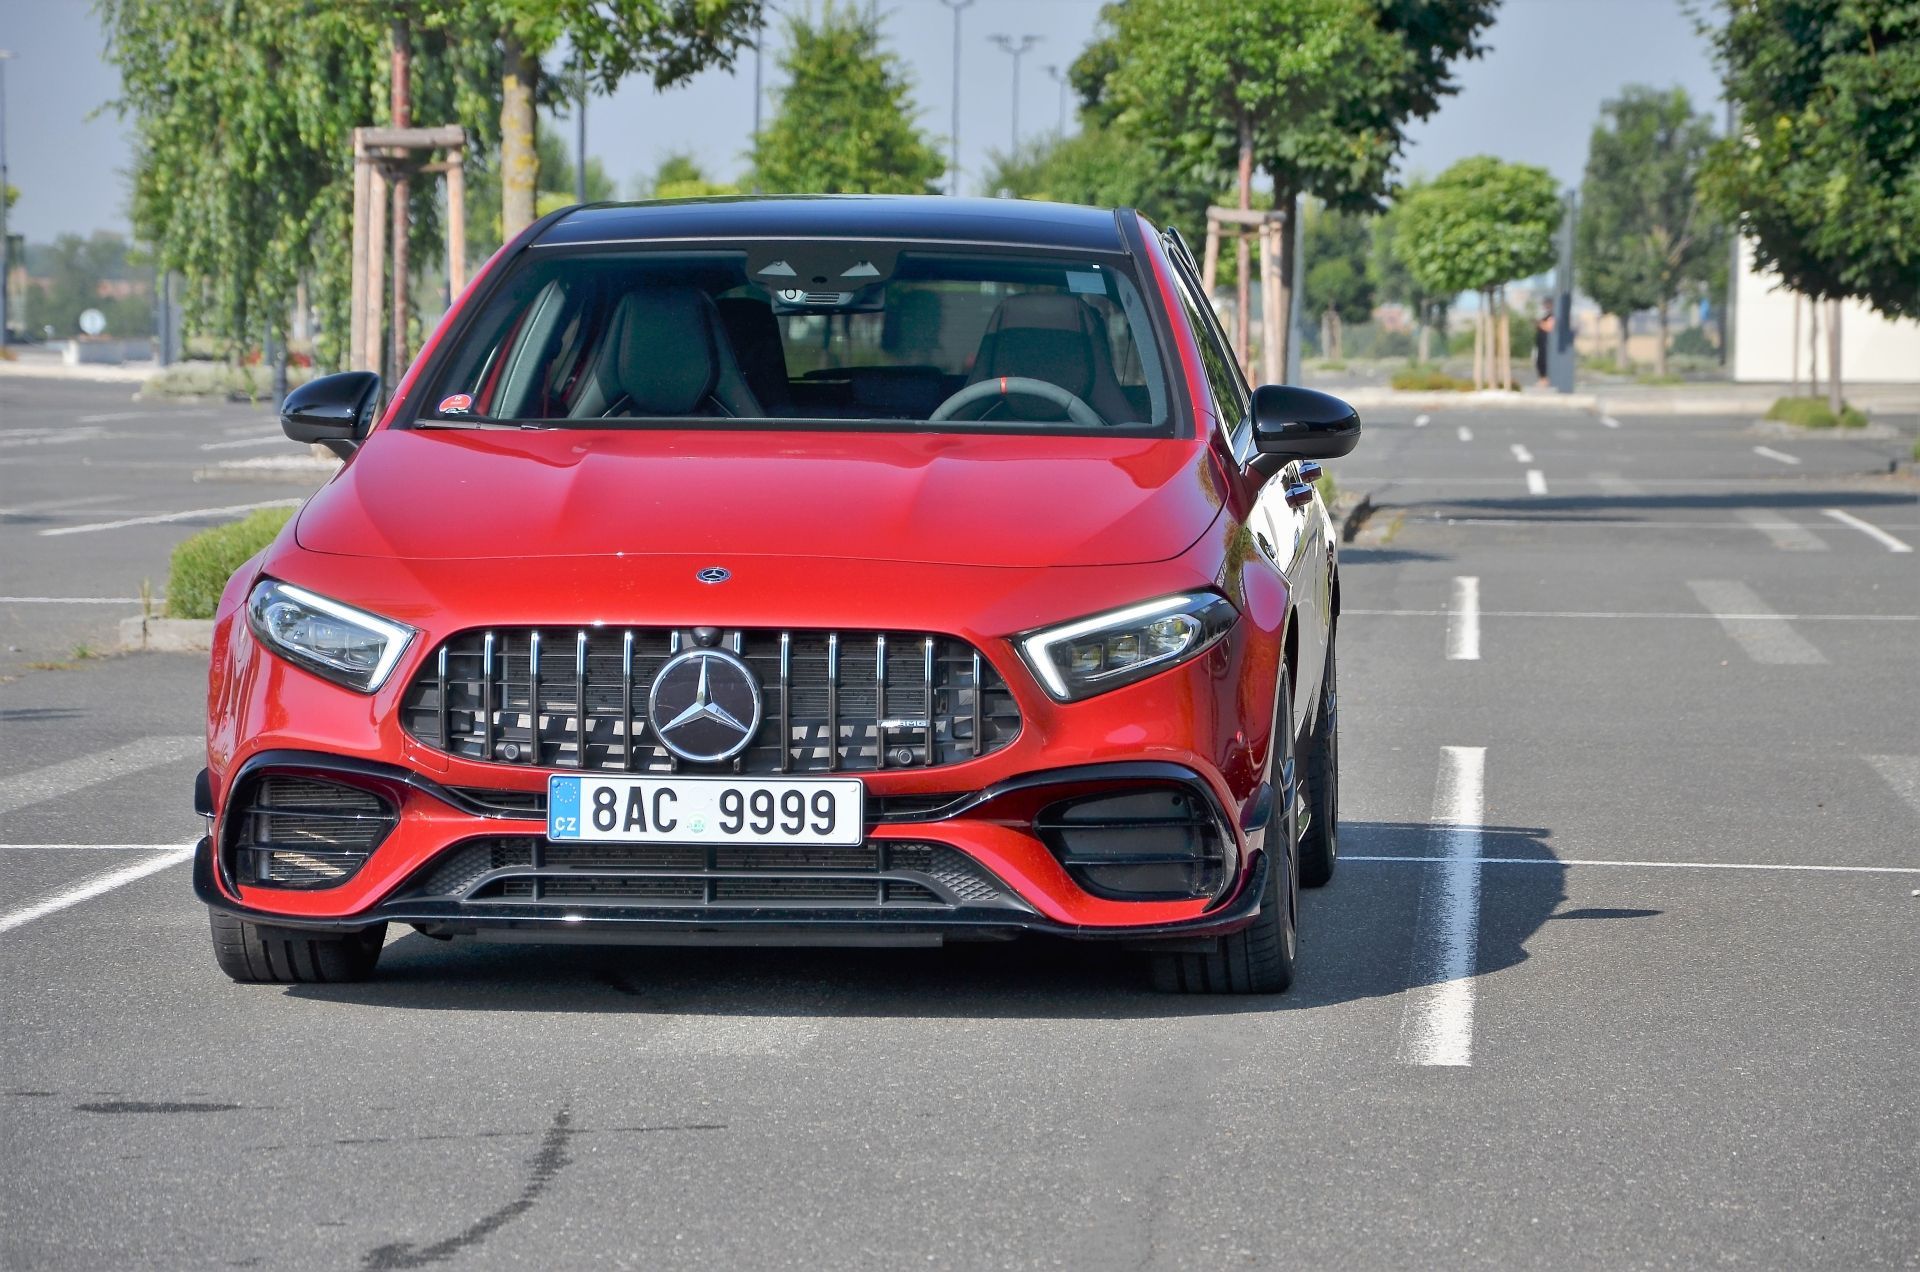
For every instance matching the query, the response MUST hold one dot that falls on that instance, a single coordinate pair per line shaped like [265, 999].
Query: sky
[1532, 98]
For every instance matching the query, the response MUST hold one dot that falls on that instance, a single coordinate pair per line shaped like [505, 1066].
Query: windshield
[881, 333]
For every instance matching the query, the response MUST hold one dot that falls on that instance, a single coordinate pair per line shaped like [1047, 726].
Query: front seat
[1058, 338]
[755, 335]
[666, 354]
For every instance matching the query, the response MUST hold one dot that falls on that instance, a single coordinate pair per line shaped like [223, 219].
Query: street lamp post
[1016, 50]
[953, 142]
[6, 255]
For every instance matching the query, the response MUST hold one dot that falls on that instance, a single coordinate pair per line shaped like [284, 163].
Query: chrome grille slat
[484, 693]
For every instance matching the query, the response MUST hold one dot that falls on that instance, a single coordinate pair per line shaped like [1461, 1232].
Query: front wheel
[1320, 838]
[1258, 959]
[253, 952]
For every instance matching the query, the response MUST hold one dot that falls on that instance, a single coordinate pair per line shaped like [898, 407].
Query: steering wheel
[1006, 385]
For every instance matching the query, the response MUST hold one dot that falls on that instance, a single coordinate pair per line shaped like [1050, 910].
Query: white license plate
[707, 810]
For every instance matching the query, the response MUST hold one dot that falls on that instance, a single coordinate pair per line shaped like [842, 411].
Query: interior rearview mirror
[1290, 423]
[335, 410]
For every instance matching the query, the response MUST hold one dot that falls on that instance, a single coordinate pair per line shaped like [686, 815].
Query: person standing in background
[1542, 334]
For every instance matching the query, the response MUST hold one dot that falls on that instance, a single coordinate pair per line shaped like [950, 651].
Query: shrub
[218, 379]
[1429, 379]
[203, 564]
[1809, 412]
[1693, 342]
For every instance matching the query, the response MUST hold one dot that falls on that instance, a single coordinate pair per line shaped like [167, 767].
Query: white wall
[1873, 349]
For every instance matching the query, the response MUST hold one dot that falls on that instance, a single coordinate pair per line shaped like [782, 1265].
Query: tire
[1259, 958]
[253, 953]
[1320, 767]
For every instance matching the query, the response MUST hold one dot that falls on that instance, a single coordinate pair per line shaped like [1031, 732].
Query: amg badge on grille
[705, 705]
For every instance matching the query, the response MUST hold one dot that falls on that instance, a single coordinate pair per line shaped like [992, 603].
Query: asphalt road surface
[1618, 970]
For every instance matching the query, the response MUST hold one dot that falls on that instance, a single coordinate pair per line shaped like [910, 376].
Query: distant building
[1873, 349]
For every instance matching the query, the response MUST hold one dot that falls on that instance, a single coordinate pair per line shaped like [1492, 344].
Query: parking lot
[1618, 970]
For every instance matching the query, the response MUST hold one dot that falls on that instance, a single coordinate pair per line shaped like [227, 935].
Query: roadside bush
[218, 380]
[1693, 342]
[203, 564]
[1810, 412]
[1429, 379]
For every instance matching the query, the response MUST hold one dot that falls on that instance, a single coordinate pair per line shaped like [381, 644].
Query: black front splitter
[631, 925]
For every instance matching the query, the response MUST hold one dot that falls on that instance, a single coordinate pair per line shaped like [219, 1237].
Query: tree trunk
[1626, 362]
[1243, 325]
[1280, 324]
[1426, 340]
[1660, 354]
[1326, 333]
[519, 161]
[1835, 402]
[1506, 342]
[398, 353]
[1339, 335]
[1793, 353]
[1480, 358]
[1813, 347]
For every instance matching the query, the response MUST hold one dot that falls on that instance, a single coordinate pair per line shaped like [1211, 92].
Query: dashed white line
[1767, 452]
[34, 785]
[1869, 529]
[1436, 1027]
[1786, 535]
[112, 416]
[96, 886]
[65, 438]
[159, 517]
[1536, 482]
[273, 440]
[54, 505]
[1466, 434]
[69, 600]
[1609, 421]
[1421, 421]
[1521, 453]
[1749, 620]
[1463, 620]
[1903, 774]
[1652, 865]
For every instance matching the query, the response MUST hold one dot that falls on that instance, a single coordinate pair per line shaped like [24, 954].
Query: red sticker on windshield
[456, 404]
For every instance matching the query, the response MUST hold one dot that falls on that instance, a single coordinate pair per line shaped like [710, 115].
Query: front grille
[879, 874]
[833, 701]
[300, 832]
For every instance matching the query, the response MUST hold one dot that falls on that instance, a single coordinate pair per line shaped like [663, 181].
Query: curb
[166, 635]
[1355, 517]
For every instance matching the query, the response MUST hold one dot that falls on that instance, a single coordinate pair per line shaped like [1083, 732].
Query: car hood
[927, 498]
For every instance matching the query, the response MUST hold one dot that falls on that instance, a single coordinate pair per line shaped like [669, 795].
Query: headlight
[1079, 659]
[347, 646]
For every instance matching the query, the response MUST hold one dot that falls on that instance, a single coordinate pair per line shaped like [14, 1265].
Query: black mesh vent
[301, 832]
[877, 874]
[834, 701]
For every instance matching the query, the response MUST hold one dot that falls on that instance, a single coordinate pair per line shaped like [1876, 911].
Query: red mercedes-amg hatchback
[842, 570]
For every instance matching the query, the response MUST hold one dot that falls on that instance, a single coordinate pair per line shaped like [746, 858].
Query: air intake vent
[302, 832]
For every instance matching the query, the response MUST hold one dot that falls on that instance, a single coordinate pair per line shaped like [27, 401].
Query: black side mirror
[335, 410]
[1290, 423]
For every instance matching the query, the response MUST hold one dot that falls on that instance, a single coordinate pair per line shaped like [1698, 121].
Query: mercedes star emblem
[714, 574]
[705, 705]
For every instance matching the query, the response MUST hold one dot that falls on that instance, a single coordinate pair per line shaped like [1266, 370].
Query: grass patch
[1659, 379]
[1324, 483]
[1809, 412]
[1330, 364]
[1916, 450]
[218, 380]
[1429, 379]
[203, 564]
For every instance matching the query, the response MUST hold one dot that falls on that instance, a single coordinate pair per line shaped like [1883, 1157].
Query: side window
[1229, 391]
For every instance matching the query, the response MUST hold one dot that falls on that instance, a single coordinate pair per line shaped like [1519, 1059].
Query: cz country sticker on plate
[829, 812]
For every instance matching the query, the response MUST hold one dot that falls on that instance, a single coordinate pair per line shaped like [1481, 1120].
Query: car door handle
[1299, 496]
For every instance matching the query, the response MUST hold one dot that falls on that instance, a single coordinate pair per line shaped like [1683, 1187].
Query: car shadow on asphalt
[1360, 939]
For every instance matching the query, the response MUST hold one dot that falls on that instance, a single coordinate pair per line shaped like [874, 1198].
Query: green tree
[554, 189]
[1479, 225]
[1644, 238]
[75, 274]
[1394, 281]
[844, 122]
[666, 40]
[1337, 286]
[1100, 167]
[680, 176]
[1824, 177]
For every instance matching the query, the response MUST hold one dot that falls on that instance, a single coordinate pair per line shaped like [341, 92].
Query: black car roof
[864, 216]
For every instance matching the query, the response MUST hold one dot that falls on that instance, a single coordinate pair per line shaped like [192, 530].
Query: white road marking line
[69, 600]
[1436, 1026]
[1463, 620]
[1521, 453]
[55, 439]
[1609, 421]
[1869, 529]
[1735, 604]
[54, 505]
[1466, 434]
[1421, 421]
[111, 416]
[88, 847]
[34, 785]
[1768, 617]
[159, 517]
[96, 886]
[1536, 482]
[1649, 865]
[1767, 452]
[275, 439]
[1903, 774]
[1786, 535]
